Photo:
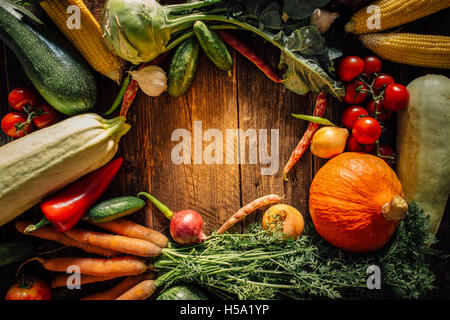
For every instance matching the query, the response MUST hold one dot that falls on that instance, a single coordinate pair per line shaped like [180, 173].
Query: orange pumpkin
[356, 203]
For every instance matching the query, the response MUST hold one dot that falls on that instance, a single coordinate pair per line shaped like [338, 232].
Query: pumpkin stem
[395, 210]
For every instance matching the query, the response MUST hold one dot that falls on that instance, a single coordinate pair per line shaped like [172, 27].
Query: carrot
[319, 110]
[250, 54]
[122, 244]
[61, 281]
[122, 287]
[48, 233]
[118, 266]
[247, 209]
[132, 229]
[142, 291]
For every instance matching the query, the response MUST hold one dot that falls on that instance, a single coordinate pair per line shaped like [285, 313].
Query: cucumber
[57, 71]
[183, 292]
[115, 208]
[213, 46]
[182, 67]
[16, 251]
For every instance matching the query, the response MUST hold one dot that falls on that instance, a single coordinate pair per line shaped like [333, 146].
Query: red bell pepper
[67, 206]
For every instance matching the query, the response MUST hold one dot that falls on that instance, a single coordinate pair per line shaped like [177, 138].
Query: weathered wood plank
[265, 105]
[212, 189]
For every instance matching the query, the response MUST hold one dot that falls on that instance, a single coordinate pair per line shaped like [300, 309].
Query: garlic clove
[322, 19]
[151, 79]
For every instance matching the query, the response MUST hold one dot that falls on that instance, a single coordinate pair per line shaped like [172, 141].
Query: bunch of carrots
[124, 251]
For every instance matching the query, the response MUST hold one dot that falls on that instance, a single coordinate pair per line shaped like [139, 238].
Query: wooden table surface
[244, 100]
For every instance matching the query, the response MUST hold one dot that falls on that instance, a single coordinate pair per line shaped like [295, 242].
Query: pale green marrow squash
[46, 160]
[423, 146]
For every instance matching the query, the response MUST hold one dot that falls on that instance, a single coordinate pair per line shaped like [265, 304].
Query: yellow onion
[287, 217]
[329, 142]
[151, 79]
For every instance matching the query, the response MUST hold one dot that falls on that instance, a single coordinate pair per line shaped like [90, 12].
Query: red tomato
[366, 130]
[15, 125]
[384, 114]
[386, 150]
[350, 67]
[352, 95]
[351, 114]
[396, 97]
[382, 81]
[20, 97]
[46, 116]
[372, 65]
[29, 289]
[355, 146]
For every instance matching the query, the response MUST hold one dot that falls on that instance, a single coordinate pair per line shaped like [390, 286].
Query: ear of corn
[408, 48]
[393, 13]
[88, 39]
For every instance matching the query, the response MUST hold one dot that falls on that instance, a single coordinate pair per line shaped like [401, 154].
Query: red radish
[186, 226]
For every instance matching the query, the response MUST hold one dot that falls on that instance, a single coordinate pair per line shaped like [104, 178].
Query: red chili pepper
[67, 206]
[319, 110]
[250, 54]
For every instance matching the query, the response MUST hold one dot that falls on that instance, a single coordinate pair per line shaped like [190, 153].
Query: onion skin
[329, 142]
[186, 227]
[291, 219]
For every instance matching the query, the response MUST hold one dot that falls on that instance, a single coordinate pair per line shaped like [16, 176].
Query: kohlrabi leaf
[301, 9]
[306, 61]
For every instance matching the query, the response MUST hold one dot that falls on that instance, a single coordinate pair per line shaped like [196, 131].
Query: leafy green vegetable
[301, 9]
[257, 265]
[305, 50]
[141, 30]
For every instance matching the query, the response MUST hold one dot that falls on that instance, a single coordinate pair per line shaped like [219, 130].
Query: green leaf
[304, 54]
[314, 119]
[301, 9]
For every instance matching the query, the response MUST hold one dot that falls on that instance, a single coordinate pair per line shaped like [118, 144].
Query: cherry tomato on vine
[396, 97]
[355, 146]
[372, 64]
[351, 114]
[384, 114]
[382, 81]
[366, 130]
[29, 289]
[353, 95]
[20, 97]
[46, 116]
[386, 150]
[15, 125]
[350, 67]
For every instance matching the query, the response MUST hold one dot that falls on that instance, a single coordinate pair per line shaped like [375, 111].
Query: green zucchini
[115, 208]
[213, 46]
[57, 71]
[16, 251]
[182, 67]
[183, 292]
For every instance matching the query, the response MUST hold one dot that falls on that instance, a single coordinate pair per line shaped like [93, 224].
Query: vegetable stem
[164, 209]
[33, 227]
[189, 6]
[120, 95]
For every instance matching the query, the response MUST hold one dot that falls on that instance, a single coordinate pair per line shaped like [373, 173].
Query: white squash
[46, 160]
[423, 146]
